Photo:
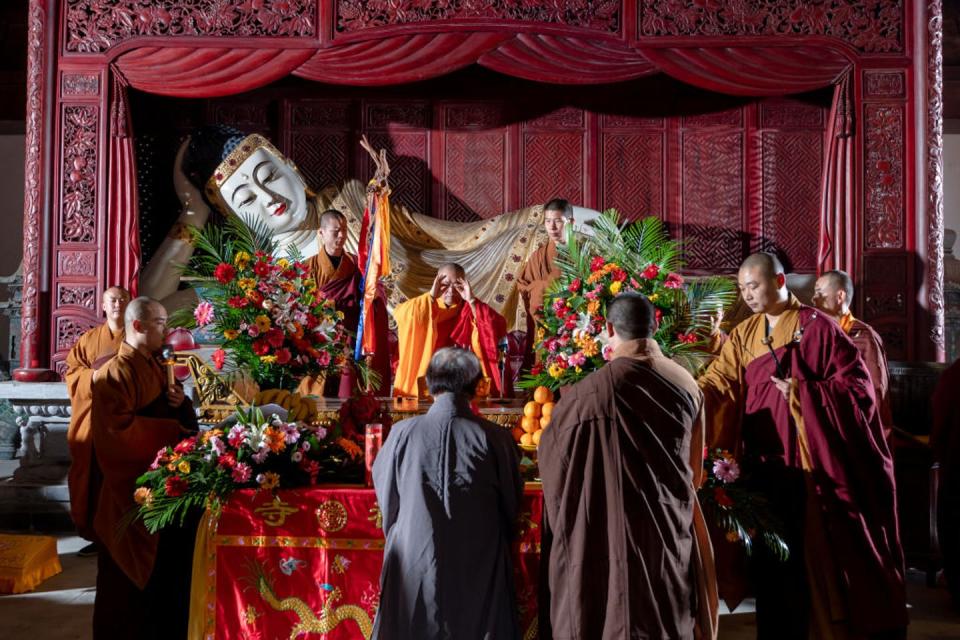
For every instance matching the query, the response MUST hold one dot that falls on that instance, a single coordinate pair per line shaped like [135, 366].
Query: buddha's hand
[195, 210]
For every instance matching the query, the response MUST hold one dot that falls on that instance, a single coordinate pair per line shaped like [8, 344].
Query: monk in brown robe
[833, 294]
[541, 268]
[88, 355]
[789, 395]
[338, 278]
[627, 549]
[143, 580]
[446, 316]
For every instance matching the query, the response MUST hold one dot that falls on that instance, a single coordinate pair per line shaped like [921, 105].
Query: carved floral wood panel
[92, 26]
[70, 328]
[79, 174]
[872, 26]
[884, 198]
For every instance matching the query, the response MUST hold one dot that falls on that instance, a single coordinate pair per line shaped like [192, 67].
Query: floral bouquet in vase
[267, 313]
[570, 340]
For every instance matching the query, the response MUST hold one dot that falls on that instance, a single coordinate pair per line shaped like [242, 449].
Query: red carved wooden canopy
[880, 192]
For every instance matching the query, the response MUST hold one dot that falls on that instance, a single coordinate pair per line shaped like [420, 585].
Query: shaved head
[114, 303]
[632, 316]
[766, 264]
[842, 281]
[452, 269]
[330, 217]
[119, 292]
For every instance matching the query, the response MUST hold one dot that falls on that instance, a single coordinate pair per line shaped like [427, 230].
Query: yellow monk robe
[131, 421]
[539, 271]
[91, 352]
[425, 325]
[821, 460]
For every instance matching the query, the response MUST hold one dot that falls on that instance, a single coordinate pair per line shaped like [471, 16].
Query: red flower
[260, 347]
[262, 269]
[228, 460]
[619, 275]
[571, 321]
[722, 497]
[673, 281]
[219, 357]
[597, 263]
[657, 315]
[688, 338]
[238, 302]
[536, 369]
[176, 486]
[283, 356]
[289, 274]
[224, 273]
[185, 446]
[574, 286]
[274, 337]
[650, 272]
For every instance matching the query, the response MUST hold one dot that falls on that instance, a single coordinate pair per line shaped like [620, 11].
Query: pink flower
[219, 357]
[236, 436]
[203, 314]
[577, 359]
[185, 446]
[290, 433]
[673, 281]
[726, 471]
[253, 331]
[241, 473]
[323, 359]
[260, 456]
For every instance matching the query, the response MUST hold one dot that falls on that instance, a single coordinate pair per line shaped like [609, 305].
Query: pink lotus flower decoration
[203, 314]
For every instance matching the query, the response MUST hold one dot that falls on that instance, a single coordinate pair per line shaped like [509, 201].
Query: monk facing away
[541, 268]
[448, 484]
[143, 580]
[338, 278]
[448, 315]
[833, 295]
[625, 544]
[790, 395]
[88, 355]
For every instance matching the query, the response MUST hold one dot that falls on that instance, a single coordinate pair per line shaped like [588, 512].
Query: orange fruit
[544, 421]
[529, 424]
[531, 410]
[526, 439]
[542, 395]
[517, 432]
[536, 436]
[546, 410]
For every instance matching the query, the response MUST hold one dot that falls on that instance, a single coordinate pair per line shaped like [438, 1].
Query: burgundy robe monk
[341, 283]
[627, 548]
[870, 345]
[822, 460]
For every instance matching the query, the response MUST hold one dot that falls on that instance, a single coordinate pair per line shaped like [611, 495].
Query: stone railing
[42, 411]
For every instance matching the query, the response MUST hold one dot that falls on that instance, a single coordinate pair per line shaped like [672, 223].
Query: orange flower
[274, 439]
[351, 447]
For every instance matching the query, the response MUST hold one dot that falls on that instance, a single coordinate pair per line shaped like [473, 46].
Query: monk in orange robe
[541, 268]
[88, 355]
[790, 396]
[338, 278]
[832, 294]
[446, 316]
[143, 580]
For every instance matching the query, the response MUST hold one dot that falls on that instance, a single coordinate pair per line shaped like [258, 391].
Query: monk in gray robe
[449, 488]
[626, 548]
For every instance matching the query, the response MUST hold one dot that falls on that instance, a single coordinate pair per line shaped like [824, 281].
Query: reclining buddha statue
[246, 175]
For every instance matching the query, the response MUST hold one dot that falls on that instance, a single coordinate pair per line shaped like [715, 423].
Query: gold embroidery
[332, 516]
[275, 513]
[251, 614]
[340, 564]
[376, 516]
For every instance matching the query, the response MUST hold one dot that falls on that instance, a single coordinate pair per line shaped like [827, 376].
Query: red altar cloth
[308, 561]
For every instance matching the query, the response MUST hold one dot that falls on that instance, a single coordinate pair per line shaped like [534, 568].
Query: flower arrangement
[266, 313]
[570, 339]
[741, 514]
[253, 453]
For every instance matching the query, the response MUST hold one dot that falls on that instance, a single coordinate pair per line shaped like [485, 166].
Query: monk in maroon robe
[625, 543]
[790, 396]
[833, 294]
[338, 278]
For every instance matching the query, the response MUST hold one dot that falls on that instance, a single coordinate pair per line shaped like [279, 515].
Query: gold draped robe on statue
[92, 351]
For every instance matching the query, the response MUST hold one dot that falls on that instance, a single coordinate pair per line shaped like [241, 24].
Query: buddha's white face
[266, 188]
